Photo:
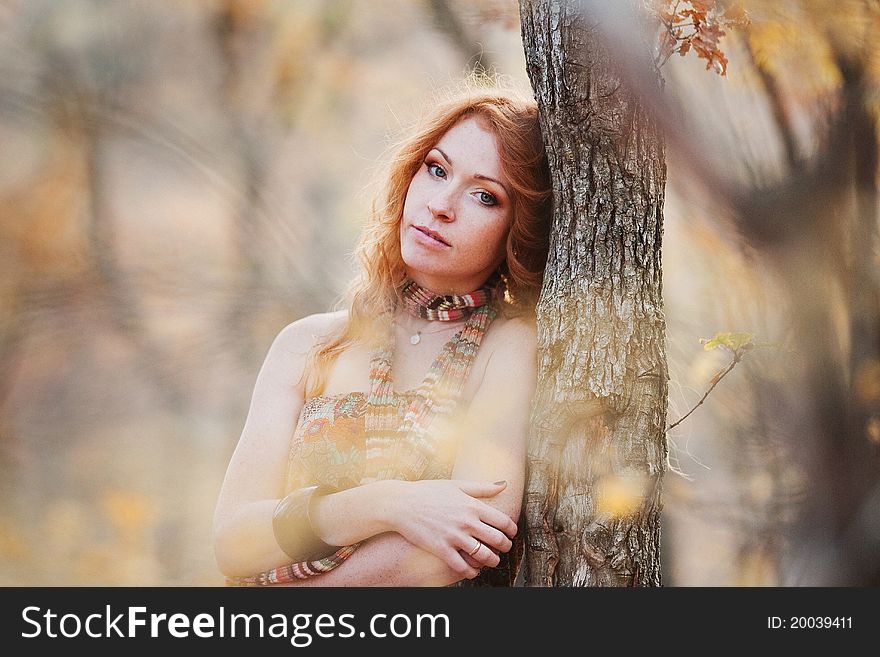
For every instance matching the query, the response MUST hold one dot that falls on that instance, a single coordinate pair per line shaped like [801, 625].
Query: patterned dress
[329, 443]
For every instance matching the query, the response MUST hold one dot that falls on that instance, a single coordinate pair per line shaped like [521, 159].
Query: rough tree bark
[598, 444]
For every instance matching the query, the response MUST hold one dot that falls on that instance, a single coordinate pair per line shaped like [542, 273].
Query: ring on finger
[476, 549]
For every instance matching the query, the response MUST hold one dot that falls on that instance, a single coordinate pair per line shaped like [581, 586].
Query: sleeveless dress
[329, 446]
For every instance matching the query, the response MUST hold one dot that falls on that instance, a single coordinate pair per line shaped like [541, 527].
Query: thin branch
[737, 357]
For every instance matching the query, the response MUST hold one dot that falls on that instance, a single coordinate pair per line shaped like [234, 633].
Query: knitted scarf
[447, 307]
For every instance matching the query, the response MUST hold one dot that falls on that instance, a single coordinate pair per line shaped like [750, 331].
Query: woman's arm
[389, 560]
[350, 516]
[499, 416]
[244, 541]
[496, 426]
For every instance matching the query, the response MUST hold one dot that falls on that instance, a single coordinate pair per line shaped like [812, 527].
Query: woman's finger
[473, 563]
[498, 519]
[460, 565]
[481, 488]
[482, 553]
[492, 538]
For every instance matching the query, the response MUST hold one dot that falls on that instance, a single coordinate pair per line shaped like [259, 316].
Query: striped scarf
[423, 303]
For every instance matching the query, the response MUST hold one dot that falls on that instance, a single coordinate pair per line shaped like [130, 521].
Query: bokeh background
[180, 180]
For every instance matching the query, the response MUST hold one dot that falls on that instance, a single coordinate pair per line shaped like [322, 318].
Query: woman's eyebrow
[478, 176]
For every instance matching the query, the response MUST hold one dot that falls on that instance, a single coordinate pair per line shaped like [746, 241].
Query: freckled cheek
[482, 245]
[412, 195]
[416, 189]
[408, 202]
[501, 244]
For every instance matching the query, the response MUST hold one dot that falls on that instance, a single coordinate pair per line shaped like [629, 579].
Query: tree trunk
[598, 445]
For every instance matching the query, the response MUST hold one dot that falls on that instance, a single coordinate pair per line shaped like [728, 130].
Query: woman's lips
[427, 240]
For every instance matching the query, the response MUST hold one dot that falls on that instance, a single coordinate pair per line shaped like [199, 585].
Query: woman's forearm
[245, 543]
[386, 560]
[356, 514]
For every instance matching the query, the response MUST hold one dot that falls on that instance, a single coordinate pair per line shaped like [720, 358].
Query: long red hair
[513, 117]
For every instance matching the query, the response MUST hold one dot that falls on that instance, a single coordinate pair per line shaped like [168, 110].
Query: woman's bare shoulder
[302, 334]
[514, 335]
[508, 353]
[515, 348]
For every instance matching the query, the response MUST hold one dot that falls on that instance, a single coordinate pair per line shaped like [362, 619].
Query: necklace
[416, 337]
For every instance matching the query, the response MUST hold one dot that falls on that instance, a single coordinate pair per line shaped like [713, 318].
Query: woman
[406, 478]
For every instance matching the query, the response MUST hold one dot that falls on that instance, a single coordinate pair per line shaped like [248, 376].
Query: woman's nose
[441, 206]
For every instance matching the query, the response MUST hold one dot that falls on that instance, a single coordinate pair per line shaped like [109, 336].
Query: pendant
[415, 338]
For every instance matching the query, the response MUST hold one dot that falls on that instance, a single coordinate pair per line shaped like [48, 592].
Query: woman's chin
[426, 264]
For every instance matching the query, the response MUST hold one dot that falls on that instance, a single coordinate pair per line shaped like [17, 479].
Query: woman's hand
[447, 518]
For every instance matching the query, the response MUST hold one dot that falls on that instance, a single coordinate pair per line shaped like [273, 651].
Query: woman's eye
[487, 198]
[433, 165]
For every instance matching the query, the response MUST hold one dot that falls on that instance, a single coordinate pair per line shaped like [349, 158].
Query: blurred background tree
[178, 181]
[802, 199]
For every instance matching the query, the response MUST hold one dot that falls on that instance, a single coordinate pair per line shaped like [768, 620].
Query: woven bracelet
[292, 525]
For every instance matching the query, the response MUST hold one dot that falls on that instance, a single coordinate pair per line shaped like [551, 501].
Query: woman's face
[460, 196]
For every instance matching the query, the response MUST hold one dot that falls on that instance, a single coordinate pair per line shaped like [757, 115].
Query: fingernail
[503, 481]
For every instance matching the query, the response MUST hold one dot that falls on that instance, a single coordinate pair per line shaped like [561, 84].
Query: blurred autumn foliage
[697, 25]
[179, 180]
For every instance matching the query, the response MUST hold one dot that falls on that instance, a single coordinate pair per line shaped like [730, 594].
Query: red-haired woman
[386, 442]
